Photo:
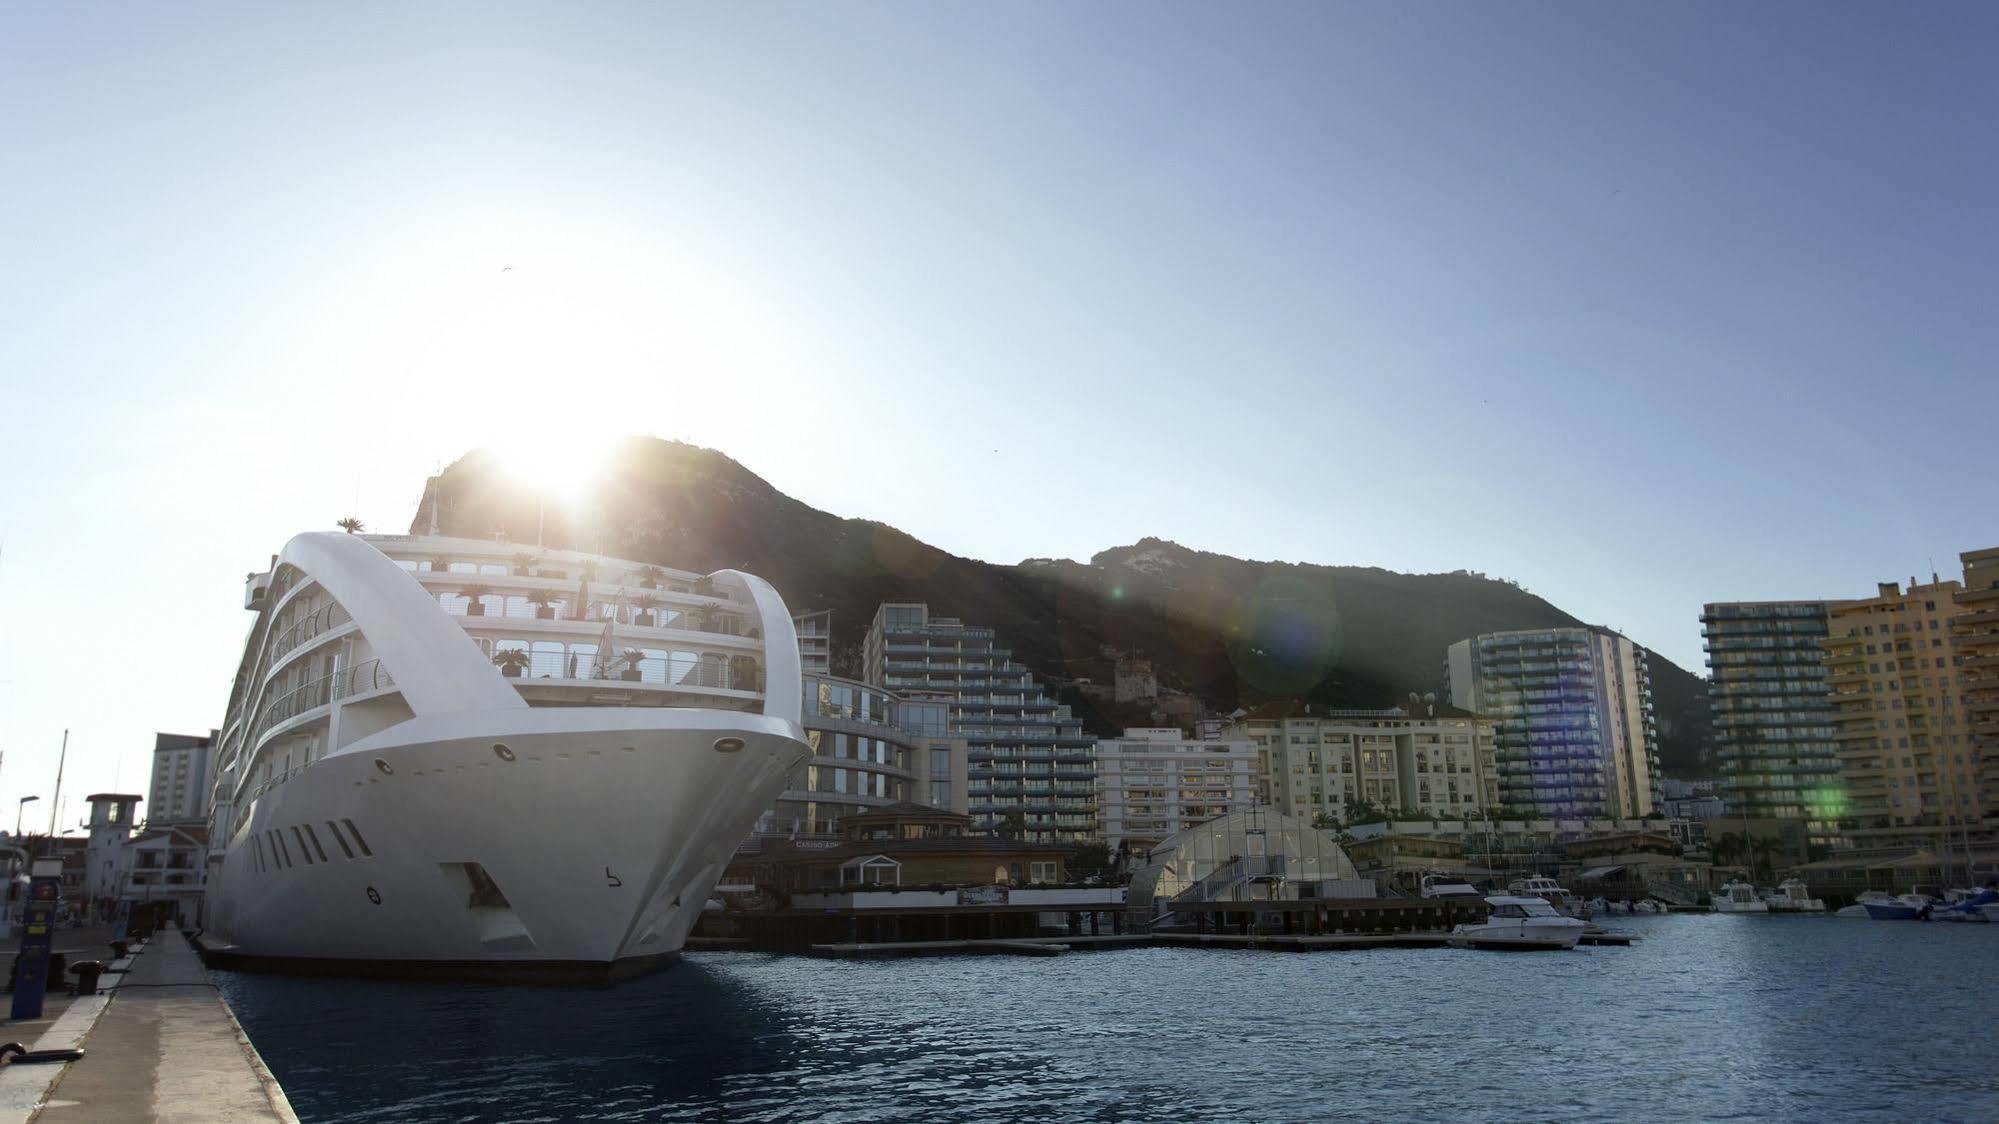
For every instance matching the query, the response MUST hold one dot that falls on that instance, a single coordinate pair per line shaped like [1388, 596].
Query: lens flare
[1285, 636]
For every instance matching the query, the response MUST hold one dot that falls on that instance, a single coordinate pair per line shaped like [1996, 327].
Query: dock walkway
[162, 1046]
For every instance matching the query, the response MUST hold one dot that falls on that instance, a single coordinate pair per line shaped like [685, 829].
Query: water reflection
[1708, 1017]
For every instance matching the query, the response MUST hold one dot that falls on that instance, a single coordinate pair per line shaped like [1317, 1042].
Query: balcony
[360, 679]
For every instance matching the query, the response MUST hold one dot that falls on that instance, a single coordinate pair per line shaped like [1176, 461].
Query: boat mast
[57, 799]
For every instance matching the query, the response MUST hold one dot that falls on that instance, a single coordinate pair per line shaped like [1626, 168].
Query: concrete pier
[161, 1046]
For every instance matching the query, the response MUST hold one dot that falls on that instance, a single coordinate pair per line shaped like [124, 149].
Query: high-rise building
[871, 748]
[1030, 766]
[1152, 782]
[1333, 762]
[1574, 713]
[1774, 737]
[1910, 772]
[815, 642]
[183, 774]
[1975, 631]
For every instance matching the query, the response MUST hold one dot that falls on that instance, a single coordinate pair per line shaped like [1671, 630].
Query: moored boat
[1520, 923]
[1737, 896]
[1550, 891]
[453, 757]
[1908, 907]
[1966, 905]
[1447, 886]
[1860, 904]
[1793, 896]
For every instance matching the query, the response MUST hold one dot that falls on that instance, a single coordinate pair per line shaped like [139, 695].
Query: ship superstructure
[459, 756]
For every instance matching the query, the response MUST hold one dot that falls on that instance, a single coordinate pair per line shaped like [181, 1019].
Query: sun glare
[563, 469]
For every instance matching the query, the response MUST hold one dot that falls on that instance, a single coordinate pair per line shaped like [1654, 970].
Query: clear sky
[1641, 305]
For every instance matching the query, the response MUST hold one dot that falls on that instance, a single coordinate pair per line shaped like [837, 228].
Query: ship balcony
[297, 704]
[321, 620]
[551, 662]
[476, 596]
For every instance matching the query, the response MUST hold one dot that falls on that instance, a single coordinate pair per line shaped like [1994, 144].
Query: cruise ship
[464, 758]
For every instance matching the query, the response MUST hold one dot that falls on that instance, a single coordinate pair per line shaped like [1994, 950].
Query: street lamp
[18, 809]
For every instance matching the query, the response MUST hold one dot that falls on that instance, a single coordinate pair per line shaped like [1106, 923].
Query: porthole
[728, 745]
[501, 751]
[383, 767]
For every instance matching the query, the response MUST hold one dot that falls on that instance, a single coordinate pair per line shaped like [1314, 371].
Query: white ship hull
[603, 835]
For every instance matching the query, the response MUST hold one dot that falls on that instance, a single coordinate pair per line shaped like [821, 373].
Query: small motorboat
[1967, 906]
[1793, 896]
[1737, 896]
[1520, 924]
[1550, 891]
[1908, 907]
[1448, 886]
[1860, 904]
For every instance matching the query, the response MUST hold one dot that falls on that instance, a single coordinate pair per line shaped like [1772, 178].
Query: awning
[1918, 861]
[1599, 872]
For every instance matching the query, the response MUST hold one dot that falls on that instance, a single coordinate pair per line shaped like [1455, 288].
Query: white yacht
[1793, 896]
[460, 757]
[1550, 891]
[1520, 923]
[1737, 896]
[1867, 897]
[1448, 886]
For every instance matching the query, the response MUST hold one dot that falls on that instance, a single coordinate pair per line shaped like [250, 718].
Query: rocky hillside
[1232, 631]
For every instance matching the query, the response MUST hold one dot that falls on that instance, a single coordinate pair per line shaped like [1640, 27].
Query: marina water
[1708, 1017]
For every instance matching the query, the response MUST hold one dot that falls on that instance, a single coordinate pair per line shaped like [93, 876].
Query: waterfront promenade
[160, 1045]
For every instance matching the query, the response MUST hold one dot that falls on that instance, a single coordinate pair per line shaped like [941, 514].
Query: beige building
[1153, 783]
[1906, 759]
[1975, 632]
[1319, 764]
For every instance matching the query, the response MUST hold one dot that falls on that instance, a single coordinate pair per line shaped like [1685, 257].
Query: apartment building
[1154, 782]
[815, 641]
[1907, 758]
[1331, 762]
[182, 779]
[1774, 737]
[871, 748]
[1975, 633]
[1576, 736]
[1030, 766]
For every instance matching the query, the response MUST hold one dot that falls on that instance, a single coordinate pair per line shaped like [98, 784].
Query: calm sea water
[1708, 1018]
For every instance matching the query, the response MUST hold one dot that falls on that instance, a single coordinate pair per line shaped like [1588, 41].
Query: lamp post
[18, 809]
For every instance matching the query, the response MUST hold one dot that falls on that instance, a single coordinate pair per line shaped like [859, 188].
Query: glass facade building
[861, 759]
[1029, 764]
[1573, 708]
[1776, 744]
